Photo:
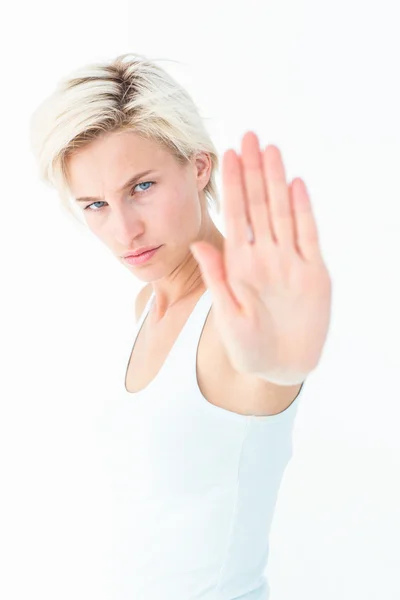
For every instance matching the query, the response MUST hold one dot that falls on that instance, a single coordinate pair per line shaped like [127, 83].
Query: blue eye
[101, 202]
[93, 203]
[143, 183]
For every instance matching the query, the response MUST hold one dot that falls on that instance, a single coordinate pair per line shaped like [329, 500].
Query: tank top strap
[187, 343]
[196, 318]
[181, 362]
[145, 311]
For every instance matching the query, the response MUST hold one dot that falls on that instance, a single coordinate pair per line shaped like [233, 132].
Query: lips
[141, 258]
[141, 251]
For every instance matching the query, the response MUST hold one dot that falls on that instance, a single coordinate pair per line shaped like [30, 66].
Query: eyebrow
[130, 182]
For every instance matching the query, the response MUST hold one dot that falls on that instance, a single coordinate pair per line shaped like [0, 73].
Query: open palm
[271, 289]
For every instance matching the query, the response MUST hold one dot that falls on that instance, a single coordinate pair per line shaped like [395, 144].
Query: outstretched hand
[272, 292]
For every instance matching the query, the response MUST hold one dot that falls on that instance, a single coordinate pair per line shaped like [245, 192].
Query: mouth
[142, 257]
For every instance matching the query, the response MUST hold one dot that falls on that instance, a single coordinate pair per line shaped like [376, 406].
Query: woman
[228, 328]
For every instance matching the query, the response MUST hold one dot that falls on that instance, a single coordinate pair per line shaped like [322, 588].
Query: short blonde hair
[129, 92]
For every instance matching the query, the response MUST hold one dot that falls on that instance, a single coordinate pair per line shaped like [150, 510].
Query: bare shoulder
[141, 300]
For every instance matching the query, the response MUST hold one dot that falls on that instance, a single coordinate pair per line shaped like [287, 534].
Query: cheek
[183, 219]
[177, 210]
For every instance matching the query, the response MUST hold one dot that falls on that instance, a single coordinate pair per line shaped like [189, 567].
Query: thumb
[211, 263]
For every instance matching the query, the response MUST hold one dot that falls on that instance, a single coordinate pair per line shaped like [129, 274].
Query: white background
[318, 79]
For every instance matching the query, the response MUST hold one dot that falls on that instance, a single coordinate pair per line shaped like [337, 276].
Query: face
[165, 207]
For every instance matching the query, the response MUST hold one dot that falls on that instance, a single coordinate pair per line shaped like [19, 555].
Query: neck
[192, 285]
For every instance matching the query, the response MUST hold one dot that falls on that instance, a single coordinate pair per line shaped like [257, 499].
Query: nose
[126, 227]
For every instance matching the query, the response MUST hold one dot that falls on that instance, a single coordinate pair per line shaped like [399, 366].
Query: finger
[306, 232]
[278, 197]
[211, 263]
[256, 192]
[234, 204]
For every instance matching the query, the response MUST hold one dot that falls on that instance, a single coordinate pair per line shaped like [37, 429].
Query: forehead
[112, 158]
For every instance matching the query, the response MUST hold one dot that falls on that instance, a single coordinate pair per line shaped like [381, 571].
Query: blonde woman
[228, 328]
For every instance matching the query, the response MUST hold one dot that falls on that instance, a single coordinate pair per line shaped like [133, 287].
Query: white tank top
[193, 485]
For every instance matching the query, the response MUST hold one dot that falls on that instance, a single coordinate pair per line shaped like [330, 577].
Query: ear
[203, 166]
